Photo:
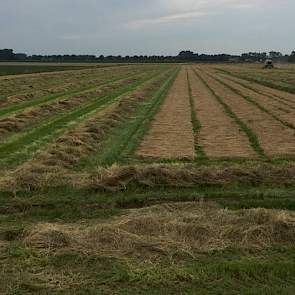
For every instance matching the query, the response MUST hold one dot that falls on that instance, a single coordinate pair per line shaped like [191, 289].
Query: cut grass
[126, 138]
[28, 271]
[13, 109]
[254, 102]
[260, 80]
[283, 100]
[249, 132]
[45, 113]
[196, 125]
[17, 151]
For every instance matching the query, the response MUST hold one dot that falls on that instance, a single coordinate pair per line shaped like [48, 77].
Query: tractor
[268, 64]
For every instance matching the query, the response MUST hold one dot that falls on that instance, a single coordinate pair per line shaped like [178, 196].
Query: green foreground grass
[26, 270]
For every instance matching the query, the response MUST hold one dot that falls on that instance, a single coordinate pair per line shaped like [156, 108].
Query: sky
[129, 27]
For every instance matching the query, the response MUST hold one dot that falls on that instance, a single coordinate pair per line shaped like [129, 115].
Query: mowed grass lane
[124, 140]
[88, 85]
[33, 85]
[30, 117]
[285, 98]
[268, 136]
[282, 113]
[278, 78]
[219, 135]
[22, 147]
[171, 132]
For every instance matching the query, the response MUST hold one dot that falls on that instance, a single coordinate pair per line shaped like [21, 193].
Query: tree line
[183, 56]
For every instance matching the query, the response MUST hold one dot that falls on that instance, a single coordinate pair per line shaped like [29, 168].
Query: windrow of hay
[20, 121]
[16, 91]
[87, 137]
[172, 229]
[41, 175]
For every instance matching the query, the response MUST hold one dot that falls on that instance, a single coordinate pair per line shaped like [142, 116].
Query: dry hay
[170, 229]
[38, 176]
[219, 136]
[274, 138]
[34, 87]
[87, 138]
[18, 122]
[170, 135]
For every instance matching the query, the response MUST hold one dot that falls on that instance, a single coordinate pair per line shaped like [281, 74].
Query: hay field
[148, 179]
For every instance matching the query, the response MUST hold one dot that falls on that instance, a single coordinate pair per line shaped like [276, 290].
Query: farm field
[148, 179]
[14, 68]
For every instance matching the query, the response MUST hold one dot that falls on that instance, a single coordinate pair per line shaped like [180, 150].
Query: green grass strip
[195, 123]
[15, 152]
[254, 102]
[249, 132]
[7, 111]
[125, 139]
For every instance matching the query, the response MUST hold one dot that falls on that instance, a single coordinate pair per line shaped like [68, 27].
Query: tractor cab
[268, 64]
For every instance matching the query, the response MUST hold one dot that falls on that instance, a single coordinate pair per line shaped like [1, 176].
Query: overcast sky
[130, 27]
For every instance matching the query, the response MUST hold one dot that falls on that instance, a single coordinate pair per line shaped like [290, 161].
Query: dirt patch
[171, 133]
[219, 135]
[168, 230]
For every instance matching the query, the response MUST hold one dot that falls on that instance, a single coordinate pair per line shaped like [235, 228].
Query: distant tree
[292, 57]
[186, 55]
[275, 54]
[6, 54]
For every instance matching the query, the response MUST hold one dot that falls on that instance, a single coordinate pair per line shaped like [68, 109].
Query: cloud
[176, 10]
[138, 24]
[71, 37]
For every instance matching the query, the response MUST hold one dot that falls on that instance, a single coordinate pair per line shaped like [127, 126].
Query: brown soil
[219, 135]
[171, 134]
[274, 138]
